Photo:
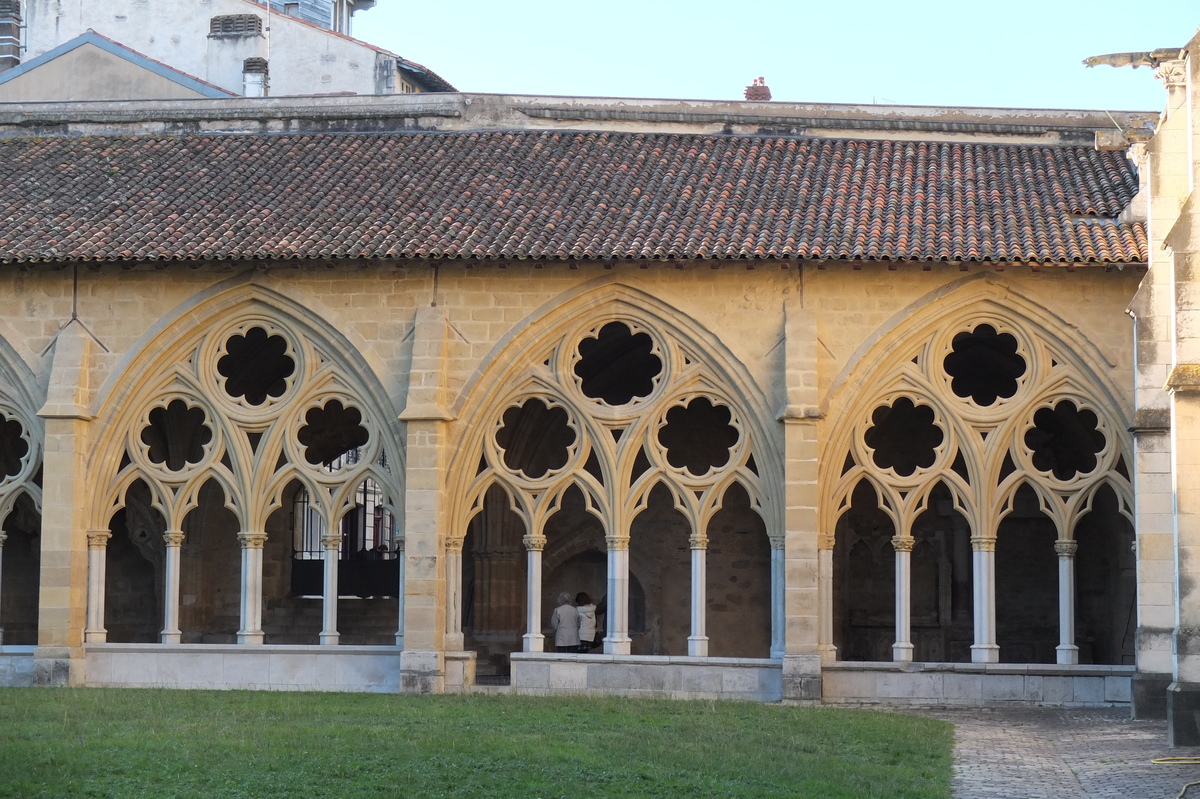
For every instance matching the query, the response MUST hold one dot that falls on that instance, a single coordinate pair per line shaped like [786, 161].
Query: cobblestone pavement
[1063, 753]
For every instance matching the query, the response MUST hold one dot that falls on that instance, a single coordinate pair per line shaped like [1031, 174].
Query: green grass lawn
[154, 743]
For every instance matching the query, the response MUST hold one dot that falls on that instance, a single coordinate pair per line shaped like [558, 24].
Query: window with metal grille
[236, 25]
[368, 563]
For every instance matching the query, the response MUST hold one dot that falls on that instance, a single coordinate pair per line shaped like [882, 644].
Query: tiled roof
[560, 195]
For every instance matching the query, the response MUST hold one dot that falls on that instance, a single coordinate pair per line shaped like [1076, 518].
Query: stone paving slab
[1062, 753]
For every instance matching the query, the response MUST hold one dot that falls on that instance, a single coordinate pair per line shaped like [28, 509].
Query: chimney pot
[758, 90]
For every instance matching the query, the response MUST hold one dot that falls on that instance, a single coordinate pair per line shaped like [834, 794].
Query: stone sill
[17, 650]
[241, 649]
[647, 660]
[1043, 669]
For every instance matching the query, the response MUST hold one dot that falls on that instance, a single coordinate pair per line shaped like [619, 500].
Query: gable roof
[201, 87]
[561, 195]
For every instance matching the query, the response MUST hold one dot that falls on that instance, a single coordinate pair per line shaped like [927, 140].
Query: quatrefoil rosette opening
[175, 438]
[14, 448]
[1063, 440]
[536, 439]
[256, 366]
[905, 436]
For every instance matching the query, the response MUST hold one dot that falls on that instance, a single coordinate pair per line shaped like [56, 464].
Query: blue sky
[1015, 53]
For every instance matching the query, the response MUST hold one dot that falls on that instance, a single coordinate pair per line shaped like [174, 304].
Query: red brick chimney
[758, 90]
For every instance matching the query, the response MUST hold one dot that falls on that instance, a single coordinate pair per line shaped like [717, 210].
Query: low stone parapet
[975, 684]
[747, 679]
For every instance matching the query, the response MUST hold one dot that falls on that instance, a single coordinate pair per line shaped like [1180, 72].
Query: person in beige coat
[565, 623]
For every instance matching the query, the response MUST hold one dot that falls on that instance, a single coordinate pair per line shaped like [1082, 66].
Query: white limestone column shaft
[618, 642]
[170, 631]
[983, 565]
[534, 640]
[398, 549]
[454, 633]
[97, 562]
[902, 649]
[3, 538]
[252, 589]
[825, 645]
[778, 599]
[698, 640]
[1067, 653]
[331, 543]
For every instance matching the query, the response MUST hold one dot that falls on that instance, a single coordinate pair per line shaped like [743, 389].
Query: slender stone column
[534, 640]
[252, 563]
[983, 565]
[97, 562]
[398, 548]
[618, 642]
[698, 640]
[3, 538]
[454, 633]
[1067, 651]
[778, 599]
[332, 542]
[170, 632]
[902, 650]
[825, 645]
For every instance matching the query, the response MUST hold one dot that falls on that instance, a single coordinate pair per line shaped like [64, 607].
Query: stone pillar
[1067, 652]
[617, 641]
[252, 565]
[170, 631]
[983, 566]
[331, 541]
[454, 633]
[398, 549]
[825, 646]
[800, 415]
[902, 650]
[423, 662]
[534, 640]
[66, 496]
[698, 640]
[97, 561]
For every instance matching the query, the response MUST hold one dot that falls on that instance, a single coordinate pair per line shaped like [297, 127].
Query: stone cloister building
[828, 403]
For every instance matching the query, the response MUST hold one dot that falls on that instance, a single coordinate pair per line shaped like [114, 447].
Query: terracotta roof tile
[560, 195]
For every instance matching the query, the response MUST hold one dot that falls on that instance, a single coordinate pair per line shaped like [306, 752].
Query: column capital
[252, 540]
[98, 538]
[454, 546]
[903, 543]
[3, 538]
[534, 543]
[699, 541]
[981, 543]
[173, 538]
[1066, 548]
[616, 543]
[825, 540]
[331, 540]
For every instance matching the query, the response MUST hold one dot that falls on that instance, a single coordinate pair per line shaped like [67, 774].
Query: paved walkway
[1063, 753]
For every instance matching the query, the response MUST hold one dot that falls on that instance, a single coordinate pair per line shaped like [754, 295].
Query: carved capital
[3, 538]
[982, 544]
[534, 543]
[1066, 548]
[1172, 73]
[698, 542]
[903, 543]
[173, 538]
[331, 540]
[98, 538]
[252, 540]
[616, 543]
[825, 540]
[454, 546]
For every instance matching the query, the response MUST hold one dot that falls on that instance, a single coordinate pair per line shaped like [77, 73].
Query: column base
[534, 642]
[698, 646]
[170, 636]
[618, 646]
[1183, 714]
[250, 637]
[985, 653]
[1067, 655]
[454, 642]
[1149, 695]
[828, 653]
[802, 678]
[902, 653]
[329, 639]
[95, 636]
[400, 640]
